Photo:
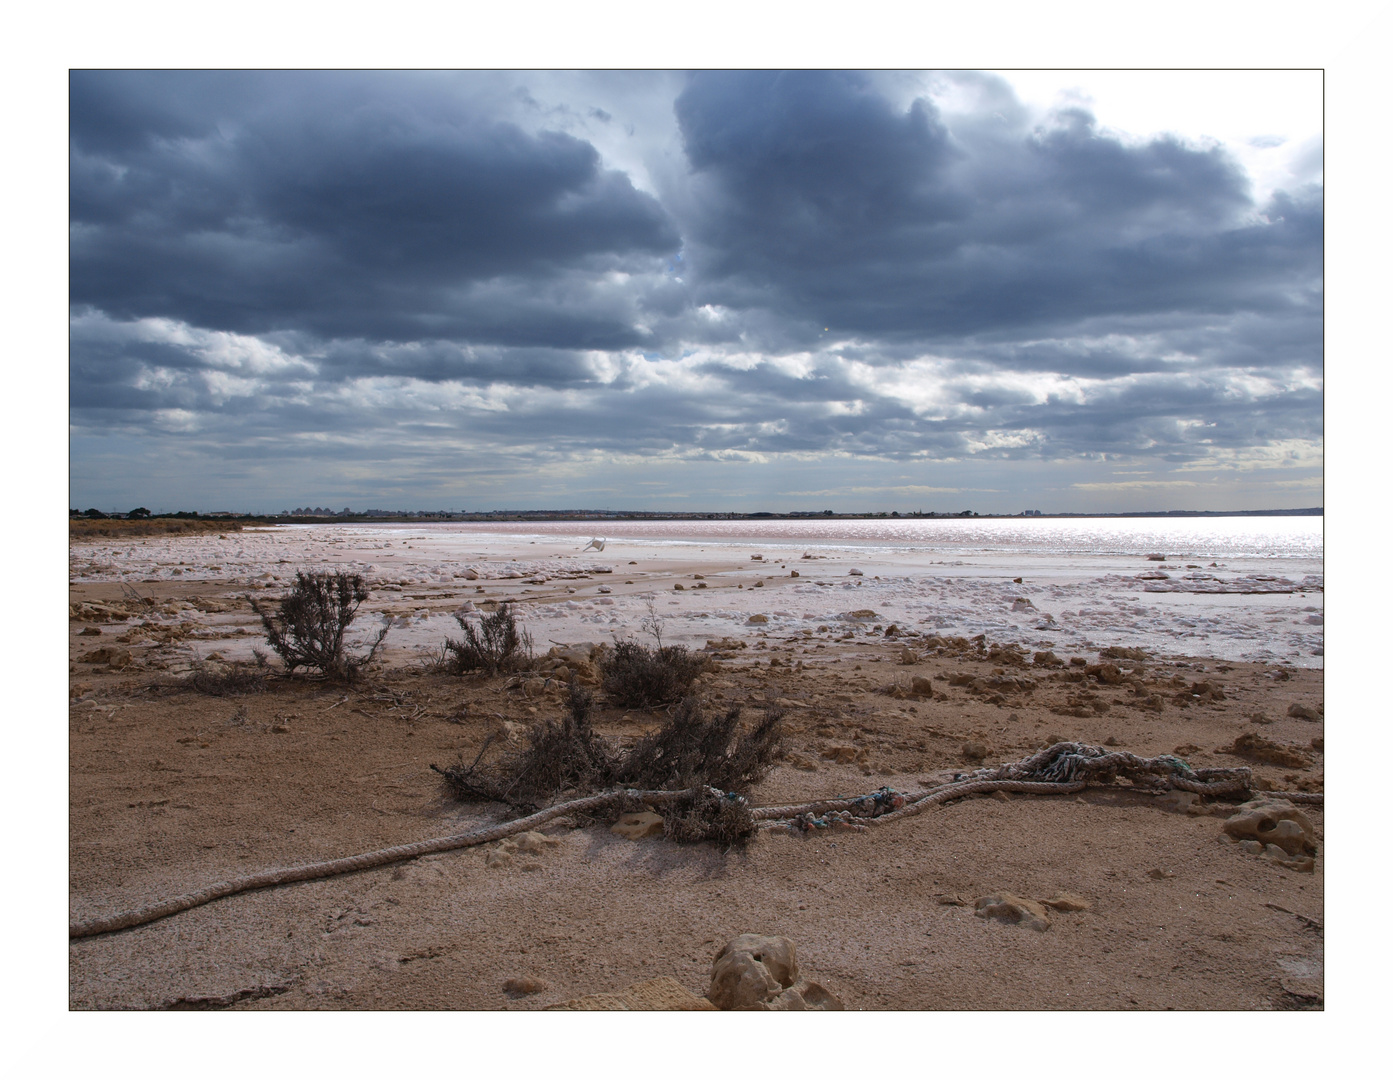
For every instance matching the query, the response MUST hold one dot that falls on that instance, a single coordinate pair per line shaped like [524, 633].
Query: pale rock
[854, 573]
[1067, 901]
[534, 843]
[1013, 910]
[752, 969]
[1273, 821]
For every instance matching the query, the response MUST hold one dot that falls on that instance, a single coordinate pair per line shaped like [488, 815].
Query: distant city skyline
[745, 291]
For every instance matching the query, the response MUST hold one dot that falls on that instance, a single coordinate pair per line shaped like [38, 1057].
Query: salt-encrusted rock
[854, 573]
[470, 574]
[1022, 604]
[637, 826]
[751, 970]
[1268, 821]
[1013, 910]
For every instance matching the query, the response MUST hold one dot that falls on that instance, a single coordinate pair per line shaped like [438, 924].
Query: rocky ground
[172, 789]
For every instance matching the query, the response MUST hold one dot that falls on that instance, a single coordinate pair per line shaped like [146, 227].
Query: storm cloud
[488, 289]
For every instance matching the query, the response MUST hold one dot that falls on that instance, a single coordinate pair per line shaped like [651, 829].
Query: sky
[717, 290]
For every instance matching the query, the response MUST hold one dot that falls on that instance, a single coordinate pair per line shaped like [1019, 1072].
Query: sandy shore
[170, 791]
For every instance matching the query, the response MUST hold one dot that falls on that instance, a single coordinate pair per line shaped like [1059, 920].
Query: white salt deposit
[1230, 588]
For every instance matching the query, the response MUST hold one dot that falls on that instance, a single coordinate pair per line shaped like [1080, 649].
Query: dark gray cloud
[552, 273]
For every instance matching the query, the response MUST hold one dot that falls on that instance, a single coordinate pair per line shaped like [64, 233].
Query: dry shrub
[637, 677]
[560, 755]
[228, 680]
[497, 645]
[690, 749]
[689, 752]
[308, 627]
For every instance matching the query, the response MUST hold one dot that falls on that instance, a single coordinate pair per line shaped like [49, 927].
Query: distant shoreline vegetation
[96, 523]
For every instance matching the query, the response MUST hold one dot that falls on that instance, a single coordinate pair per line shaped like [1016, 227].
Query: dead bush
[690, 749]
[227, 680]
[497, 645]
[308, 626]
[560, 755]
[688, 752]
[634, 676]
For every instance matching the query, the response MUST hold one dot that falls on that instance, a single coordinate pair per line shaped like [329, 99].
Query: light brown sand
[173, 791]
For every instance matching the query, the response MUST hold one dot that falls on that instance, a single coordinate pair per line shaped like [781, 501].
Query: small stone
[921, 686]
[854, 573]
[534, 687]
[974, 751]
[90, 631]
[516, 988]
[534, 843]
[1252, 847]
[678, 586]
[1303, 712]
[1157, 874]
[638, 826]
[1013, 910]
[1067, 901]
[757, 620]
[111, 655]
[498, 859]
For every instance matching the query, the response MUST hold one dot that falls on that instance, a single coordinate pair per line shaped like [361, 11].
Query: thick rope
[353, 863]
[1061, 769]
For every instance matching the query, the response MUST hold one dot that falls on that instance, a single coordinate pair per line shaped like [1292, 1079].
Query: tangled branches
[689, 753]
